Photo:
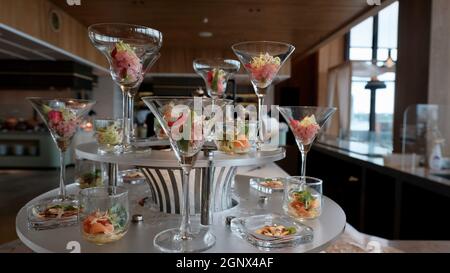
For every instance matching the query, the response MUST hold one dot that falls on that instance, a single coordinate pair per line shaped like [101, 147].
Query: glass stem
[131, 115]
[304, 155]
[260, 139]
[185, 228]
[62, 174]
[126, 118]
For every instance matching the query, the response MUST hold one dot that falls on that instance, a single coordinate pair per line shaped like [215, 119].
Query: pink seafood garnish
[63, 124]
[126, 63]
[65, 129]
[264, 68]
[305, 130]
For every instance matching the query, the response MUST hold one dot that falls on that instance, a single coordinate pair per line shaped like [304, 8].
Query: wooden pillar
[413, 60]
[439, 82]
[439, 79]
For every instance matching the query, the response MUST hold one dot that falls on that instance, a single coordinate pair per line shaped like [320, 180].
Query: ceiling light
[205, 20]
[205, 34]
[389, 63]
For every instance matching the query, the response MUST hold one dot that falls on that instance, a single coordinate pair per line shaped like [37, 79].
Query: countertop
[376, 157]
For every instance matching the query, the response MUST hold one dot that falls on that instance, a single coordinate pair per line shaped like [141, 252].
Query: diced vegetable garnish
[276, 231]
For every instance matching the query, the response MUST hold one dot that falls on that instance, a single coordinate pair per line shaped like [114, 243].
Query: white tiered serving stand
[140, 235]
[211, 179]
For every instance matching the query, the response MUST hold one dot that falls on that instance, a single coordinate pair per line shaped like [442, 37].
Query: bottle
[436, 160]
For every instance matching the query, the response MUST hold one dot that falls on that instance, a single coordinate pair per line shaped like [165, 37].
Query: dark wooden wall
[302, 87]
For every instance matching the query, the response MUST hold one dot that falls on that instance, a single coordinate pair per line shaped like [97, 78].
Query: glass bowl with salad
[234, 138]
[303, 197]
[108, 133]
[89, 174]
[105, 216]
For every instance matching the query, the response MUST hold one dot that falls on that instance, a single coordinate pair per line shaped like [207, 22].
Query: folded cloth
[353, 241]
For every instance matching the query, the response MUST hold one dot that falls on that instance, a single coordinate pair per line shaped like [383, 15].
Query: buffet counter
[380, 197]
[377, 157]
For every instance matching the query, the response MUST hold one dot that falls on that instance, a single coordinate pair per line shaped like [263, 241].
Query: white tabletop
[140, 236]
[167, 159]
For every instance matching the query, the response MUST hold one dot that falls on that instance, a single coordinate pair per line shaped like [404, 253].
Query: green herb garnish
[292, 230]
[215, 80]
[70, 207]
[184, 145]
[304, 197]
[46, 109]
[118, 216]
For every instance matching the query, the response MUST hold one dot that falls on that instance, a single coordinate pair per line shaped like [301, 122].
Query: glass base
[104, 150]
[259, 145]
[135, 149]
[266, 147]
[171, 241]
[141, 145]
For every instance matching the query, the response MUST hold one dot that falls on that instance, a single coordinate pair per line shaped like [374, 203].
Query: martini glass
[130, 50]
[306, 123]
[62, 117]
[262, 61]
[184, 123]
[216, 73]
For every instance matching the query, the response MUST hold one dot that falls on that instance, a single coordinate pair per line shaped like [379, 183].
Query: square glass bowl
[247, 227]
[268, 185]
[51, 214]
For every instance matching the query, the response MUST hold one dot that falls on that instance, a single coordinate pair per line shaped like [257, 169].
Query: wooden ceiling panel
[304, 23]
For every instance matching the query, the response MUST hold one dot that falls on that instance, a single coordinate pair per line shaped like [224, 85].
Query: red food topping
[123, 73]
[55, 116]
[210, 76]
[114, 52]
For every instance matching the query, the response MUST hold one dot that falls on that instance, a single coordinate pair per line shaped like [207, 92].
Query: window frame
[375, 48]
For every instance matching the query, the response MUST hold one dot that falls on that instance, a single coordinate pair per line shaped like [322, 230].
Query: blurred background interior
[385, 67]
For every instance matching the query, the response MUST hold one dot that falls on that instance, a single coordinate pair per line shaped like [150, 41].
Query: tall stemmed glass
[216, 73]
[62, 117]
[262, 61]
[184, 122]
[131, 50]
[306, 123]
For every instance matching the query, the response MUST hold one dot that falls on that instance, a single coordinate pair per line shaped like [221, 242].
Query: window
[376, 38]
